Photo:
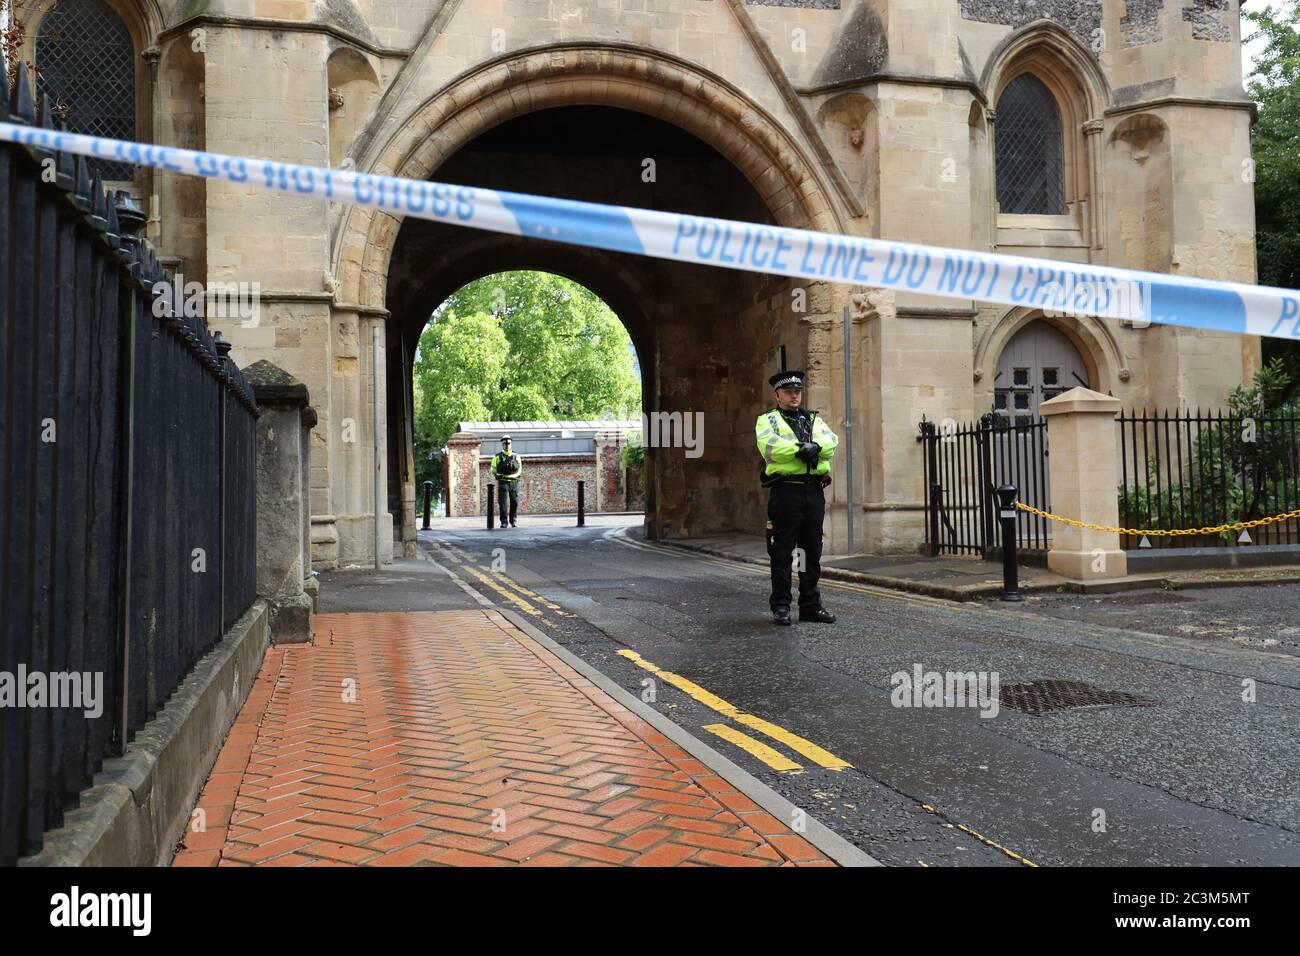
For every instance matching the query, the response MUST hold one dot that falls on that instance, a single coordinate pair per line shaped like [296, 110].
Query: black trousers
[794, 513]
[505, 488]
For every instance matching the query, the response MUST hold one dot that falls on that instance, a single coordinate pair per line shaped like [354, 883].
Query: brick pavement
[452, 738]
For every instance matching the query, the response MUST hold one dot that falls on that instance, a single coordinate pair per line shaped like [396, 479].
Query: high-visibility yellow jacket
[501, 473]
[778, 445]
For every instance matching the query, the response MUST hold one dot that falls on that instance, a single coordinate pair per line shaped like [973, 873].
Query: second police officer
[506, 468]
[797, 447]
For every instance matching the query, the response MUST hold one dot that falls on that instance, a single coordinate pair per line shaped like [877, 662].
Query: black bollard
[428, 502]
[491, 505]
[582, 503]
[1007, 514]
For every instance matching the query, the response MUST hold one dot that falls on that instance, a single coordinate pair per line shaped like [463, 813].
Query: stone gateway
[1093, 131]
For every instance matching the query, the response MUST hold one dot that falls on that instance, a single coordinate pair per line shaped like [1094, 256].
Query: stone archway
[787, 189]
[486, 254]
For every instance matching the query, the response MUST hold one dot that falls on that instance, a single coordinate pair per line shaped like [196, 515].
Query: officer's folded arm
[785, 451]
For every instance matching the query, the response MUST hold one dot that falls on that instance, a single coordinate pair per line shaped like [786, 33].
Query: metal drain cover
[1043, 696]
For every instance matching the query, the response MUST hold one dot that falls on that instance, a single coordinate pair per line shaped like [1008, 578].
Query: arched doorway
[1040, 362]
[706, 338]
[524, 347]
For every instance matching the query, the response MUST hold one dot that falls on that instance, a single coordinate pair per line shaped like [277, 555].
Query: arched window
[87, 65]
[1029, 153]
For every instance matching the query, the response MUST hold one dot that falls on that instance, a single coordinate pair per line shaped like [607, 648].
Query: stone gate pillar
[282, 515]
[463, 494]
[1082, 472]
[610, 493]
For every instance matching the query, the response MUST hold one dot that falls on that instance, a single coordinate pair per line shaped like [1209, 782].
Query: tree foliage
[1275, 142]
[519, 346]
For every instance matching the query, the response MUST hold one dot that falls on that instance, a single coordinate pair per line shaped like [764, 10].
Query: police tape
[1062, 287]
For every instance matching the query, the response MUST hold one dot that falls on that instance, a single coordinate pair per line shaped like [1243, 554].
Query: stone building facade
[1104, 131]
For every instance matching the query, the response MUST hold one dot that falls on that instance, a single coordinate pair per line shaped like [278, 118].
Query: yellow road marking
[773, 758]
[501, 576]
[983, 839]
[817, 755]
[460, 553]
[524, 605]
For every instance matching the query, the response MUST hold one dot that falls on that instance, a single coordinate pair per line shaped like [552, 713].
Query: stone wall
[549, 485]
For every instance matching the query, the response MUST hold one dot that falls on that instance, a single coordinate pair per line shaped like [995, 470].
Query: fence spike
[4, 95]
[66, 169]
[98, 205]
[83, 181]
[24, 111]
[114, 229]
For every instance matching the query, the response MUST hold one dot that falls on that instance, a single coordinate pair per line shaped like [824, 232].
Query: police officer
[506, 469]
[797, 447]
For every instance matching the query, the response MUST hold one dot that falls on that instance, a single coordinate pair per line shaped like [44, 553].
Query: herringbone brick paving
[452, 738]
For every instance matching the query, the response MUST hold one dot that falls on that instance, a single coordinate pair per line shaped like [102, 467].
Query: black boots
[817, 615]
[781, 615]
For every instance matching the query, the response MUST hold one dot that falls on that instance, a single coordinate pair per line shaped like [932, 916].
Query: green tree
[1275, 142]
[517, 346]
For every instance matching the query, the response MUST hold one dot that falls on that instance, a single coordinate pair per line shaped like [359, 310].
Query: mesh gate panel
[87, 62]
[1030, 171]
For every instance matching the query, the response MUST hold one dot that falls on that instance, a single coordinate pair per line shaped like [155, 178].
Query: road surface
[1201, 770]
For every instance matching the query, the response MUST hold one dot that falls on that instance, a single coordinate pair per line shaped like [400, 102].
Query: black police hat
[791, 379]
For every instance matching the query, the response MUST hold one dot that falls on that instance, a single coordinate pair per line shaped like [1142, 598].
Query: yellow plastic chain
[1234, 526]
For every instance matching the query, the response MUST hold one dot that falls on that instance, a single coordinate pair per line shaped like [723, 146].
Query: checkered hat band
[789, 380]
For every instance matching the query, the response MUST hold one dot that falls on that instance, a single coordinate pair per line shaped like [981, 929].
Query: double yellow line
[494, 579]
[769, 756]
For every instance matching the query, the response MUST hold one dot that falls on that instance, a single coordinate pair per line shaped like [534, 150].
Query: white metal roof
[539, 429]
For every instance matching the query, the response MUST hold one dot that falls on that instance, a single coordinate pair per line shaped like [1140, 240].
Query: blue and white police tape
[1064, 287]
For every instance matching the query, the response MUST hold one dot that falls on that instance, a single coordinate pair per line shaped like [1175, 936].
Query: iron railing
[963, 464]
[127, 497]
[1194, 469]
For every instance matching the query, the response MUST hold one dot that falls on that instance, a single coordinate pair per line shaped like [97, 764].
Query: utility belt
[511, 480]
[771, 480]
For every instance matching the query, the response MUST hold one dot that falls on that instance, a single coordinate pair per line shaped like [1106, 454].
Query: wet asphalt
[1196, 776]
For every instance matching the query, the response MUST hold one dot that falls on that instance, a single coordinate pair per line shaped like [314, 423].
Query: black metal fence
[127, 497]
[963, 464]
[1189, 469]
